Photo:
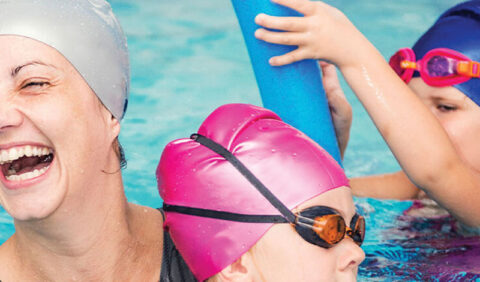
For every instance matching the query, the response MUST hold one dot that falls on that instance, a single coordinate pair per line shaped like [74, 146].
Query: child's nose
[352, 255]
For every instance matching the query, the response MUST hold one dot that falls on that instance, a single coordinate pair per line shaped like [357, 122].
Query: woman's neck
[92, 239]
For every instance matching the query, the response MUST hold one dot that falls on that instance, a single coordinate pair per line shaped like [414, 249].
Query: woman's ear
[241, 270]
[114, 125]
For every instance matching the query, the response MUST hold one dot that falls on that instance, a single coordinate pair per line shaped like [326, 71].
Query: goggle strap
[219, 149]
[470, 69]
[405, 64]
[354, 220]
[246, 218]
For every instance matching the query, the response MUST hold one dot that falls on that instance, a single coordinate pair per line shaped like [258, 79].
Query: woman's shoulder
[146, 225]
[149, 223]
[146, 218]
[7, 261]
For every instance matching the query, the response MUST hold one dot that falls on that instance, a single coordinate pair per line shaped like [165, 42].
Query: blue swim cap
[458, 29]
[86, 33]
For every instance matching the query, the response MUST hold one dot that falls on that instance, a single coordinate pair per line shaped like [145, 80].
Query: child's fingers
[304, 7]
[330, 77]
[283, 38]
[323, 63]
[331, 84]
[281, 23]
[293, 56]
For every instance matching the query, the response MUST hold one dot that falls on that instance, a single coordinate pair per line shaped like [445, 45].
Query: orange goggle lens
[325, 227]
[331, 228]
[358, 231]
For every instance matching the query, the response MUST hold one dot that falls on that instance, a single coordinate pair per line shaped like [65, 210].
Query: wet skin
[282, 255]
[45, 102]
[75, 214]
[458, 115]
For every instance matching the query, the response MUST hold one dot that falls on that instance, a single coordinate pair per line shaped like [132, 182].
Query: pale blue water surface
[188, 57]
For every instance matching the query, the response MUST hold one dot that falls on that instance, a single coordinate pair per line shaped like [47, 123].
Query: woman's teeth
[27, 175]
[12, 154]
[14, 159]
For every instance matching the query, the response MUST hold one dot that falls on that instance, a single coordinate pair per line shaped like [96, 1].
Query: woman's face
[282, 255]
[54, 133]
[459, 116]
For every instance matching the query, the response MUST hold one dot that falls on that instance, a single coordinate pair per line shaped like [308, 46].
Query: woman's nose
[10, 117]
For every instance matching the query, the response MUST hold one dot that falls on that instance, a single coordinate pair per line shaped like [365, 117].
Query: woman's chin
[27, 209]
[34, 201]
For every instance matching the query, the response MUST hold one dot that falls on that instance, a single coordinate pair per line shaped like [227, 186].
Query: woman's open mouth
[25, 162]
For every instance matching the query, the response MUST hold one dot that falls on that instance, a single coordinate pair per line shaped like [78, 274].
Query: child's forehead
[339, 199]
[435, 93]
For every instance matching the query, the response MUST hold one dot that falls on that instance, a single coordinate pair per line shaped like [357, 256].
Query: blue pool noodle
[295, 92]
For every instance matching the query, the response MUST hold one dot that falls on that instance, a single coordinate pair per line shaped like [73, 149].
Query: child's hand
[340, 109]
[323, 33]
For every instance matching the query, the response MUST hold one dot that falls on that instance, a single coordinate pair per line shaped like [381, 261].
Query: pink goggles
[439, 66]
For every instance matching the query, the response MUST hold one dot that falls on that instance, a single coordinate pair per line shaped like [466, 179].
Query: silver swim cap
[86, 33]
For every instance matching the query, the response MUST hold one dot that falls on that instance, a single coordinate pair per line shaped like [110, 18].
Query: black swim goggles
[318, 225]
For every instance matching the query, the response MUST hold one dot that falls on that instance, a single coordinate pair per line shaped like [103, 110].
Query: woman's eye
[446, 108]
[35, 84]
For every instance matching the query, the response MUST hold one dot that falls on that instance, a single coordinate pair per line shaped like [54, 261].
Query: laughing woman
[64, 79]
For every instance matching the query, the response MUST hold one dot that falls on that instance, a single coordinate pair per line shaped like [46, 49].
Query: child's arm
[417, 140]
[385, 186]
[340, 109]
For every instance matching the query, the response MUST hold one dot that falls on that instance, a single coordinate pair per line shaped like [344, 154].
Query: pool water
[188, 57]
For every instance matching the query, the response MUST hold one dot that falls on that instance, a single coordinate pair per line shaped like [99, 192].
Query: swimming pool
[188, 57]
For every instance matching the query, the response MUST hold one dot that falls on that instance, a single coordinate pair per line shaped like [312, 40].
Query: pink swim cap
[292, 166]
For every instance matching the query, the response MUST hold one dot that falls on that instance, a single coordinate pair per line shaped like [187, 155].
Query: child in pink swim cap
[251, 198]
